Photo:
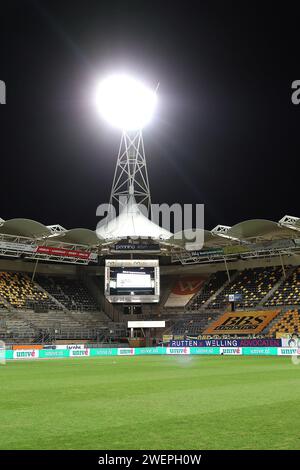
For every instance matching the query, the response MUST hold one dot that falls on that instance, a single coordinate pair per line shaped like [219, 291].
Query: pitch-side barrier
[32, 354]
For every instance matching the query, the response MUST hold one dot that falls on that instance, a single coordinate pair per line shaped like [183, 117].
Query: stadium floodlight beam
[128, 105]
[125, 102]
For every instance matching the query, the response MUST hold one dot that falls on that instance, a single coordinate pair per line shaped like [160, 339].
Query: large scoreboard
[132, 281]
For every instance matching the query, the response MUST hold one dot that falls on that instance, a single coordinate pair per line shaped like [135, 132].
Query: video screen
[136, 282]
[128, 282]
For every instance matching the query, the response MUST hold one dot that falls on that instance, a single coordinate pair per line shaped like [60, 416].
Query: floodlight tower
[128, 105]
[131, 176]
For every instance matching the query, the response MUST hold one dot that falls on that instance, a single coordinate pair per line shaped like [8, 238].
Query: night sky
[225, 134]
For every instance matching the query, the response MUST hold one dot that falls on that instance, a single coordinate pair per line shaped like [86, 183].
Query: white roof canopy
[132, 223]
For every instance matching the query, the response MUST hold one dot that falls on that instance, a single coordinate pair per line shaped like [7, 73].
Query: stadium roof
[209, 239]
[35, 230]
[259, 229]
[24, 228]
[132, 223]
[247, 231]
[81, 236]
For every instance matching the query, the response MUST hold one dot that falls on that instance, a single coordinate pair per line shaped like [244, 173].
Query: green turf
[208, 402]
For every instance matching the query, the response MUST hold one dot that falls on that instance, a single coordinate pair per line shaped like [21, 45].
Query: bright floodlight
[125, 102]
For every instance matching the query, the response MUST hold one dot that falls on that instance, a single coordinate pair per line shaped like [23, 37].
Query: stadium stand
[211, 286]
[52, 325]
[193, 324]
[253, 284]
[16, 328]
[55, 307]
[70, 293]
[2, 305]
[21, 293]
[288, 323]
[288, 293]
[64, 307]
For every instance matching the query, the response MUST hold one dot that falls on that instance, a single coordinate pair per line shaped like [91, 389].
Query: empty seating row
[71, 293]
[288, 293]
[193, 324]
[211, 286]
[289, 323]
[21, 293]
[252, 284]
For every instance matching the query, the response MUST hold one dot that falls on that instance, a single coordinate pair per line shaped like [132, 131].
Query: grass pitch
[168, 402]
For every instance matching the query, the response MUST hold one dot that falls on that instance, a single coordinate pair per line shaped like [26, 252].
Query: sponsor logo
[242, 322]
[26, 354]
[178, 350]
[248, 322]
[290, 342]
[63, 253]
[102, 352]
[289, 351]
[79, 353]
[17, 246]
[267, 342]
[259, 351]
[231, 351]
[126, 351]
[210, 343]
[54, 353]
[150, 350]
[205, 351]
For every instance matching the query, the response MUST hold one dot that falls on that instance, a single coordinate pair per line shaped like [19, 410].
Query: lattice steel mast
[131, 175]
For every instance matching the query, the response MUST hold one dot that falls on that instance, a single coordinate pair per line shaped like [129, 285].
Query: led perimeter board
[132, 281]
